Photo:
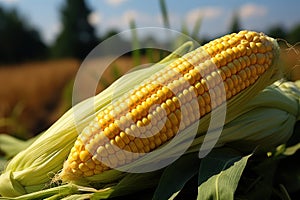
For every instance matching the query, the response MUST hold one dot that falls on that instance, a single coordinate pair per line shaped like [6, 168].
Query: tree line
[21, 42]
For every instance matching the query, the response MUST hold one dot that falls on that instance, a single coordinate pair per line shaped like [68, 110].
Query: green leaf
[176, 175]
[62, 190]
[78, 197]
[9, 185]
[224, 184]
[102, 194]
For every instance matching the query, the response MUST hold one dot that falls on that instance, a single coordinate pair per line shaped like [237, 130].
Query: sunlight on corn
[242, 63]
[132, 123]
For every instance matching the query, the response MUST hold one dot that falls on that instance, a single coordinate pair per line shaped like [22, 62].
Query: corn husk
[266, 121]
[187, 138]
[45, 157]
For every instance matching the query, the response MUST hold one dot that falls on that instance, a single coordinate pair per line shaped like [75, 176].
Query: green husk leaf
[224, 184]
[266, 121]
[10, 185]
[42, 194]
[255, 129]
[78, 197]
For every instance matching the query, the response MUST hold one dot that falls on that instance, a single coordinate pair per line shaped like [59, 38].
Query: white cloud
[50, 33]
[252, 10]
[95, 18]
[205, 12]
[122, 21]
[210, 16]
[115, 2]
[130, 15]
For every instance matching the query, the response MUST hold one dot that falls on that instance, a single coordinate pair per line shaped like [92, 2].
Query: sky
[216, 15]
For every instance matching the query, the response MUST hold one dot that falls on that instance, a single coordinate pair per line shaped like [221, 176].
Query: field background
[34, 95]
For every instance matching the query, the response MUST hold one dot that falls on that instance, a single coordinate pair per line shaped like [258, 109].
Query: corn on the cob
[190, 86]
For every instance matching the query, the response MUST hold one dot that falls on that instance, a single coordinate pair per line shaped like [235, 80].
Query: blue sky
[216, 15]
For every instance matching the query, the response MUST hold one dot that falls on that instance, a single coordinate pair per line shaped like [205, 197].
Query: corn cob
[151, 114]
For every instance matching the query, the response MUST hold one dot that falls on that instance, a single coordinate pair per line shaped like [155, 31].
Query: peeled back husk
[34, 168]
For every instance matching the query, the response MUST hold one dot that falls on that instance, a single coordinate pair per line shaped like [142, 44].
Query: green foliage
[19, 41]
[77, 37]
[223, 184]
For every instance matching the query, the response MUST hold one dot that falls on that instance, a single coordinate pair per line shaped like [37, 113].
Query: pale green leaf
[224, 184]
